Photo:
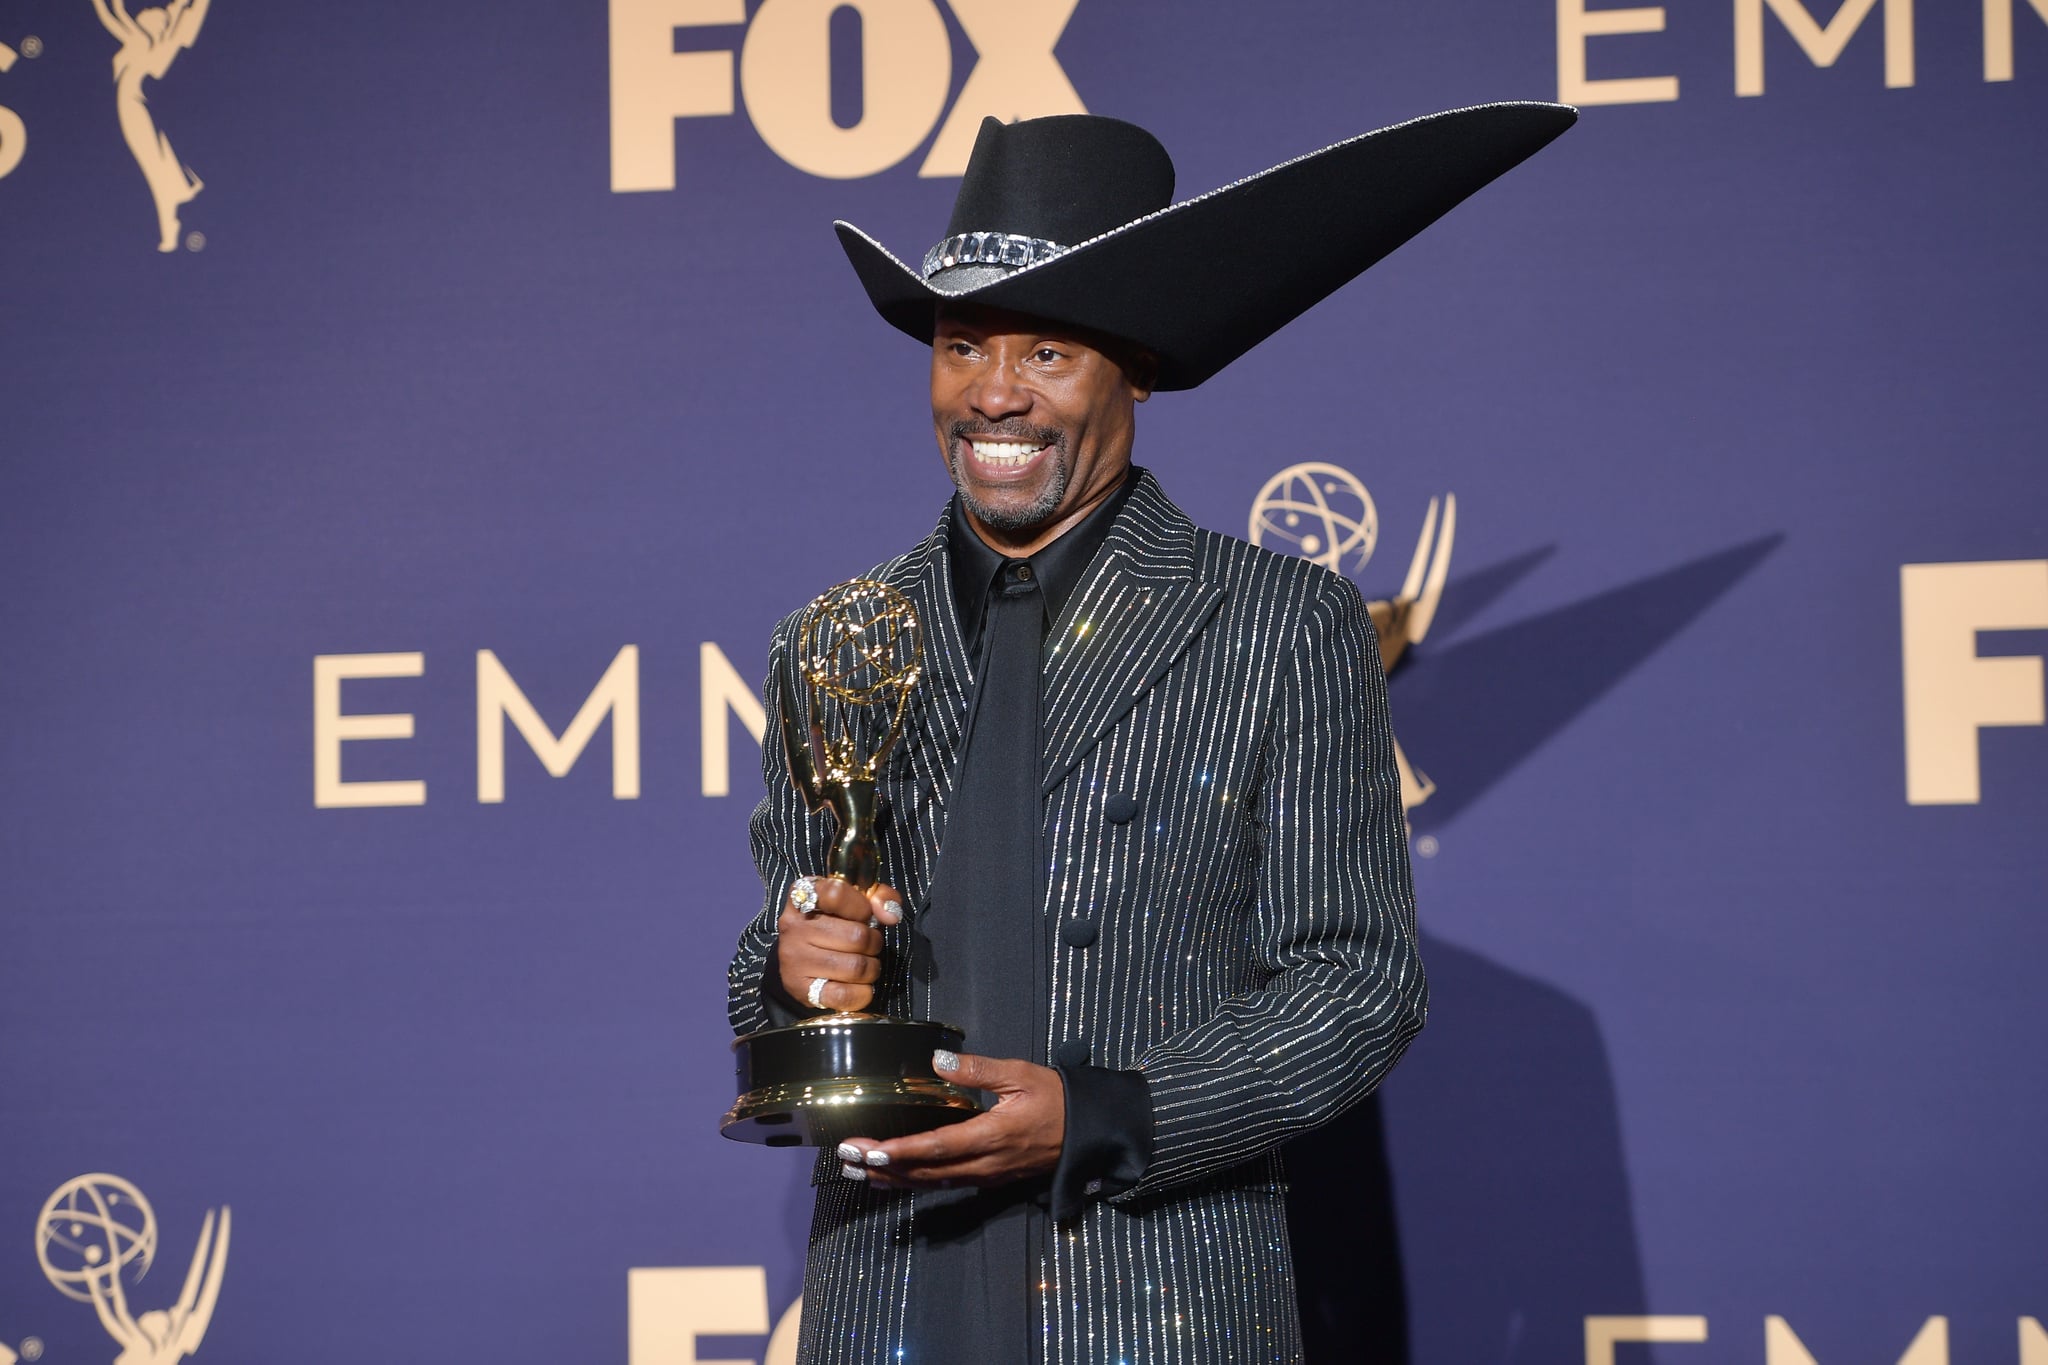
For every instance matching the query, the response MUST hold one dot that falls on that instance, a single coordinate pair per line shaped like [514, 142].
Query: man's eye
[961, 348]
[1046, 355]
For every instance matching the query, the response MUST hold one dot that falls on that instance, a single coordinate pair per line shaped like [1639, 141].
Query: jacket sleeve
[788, 841]
[1342, 990]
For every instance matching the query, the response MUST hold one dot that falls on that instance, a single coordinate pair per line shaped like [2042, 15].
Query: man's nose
[999, 391]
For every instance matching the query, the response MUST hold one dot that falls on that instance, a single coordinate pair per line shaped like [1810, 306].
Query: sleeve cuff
[1108, 1140]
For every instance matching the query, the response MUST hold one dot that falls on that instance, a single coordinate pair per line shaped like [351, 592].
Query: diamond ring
[816, 994]
[804, 896]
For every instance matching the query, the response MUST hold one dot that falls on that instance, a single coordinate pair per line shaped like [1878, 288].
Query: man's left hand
[1018, 1137]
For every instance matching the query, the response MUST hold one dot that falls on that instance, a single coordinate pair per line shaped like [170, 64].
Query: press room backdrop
[413, 418]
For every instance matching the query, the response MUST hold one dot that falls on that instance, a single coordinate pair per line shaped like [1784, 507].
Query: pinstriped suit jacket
[1256, 950]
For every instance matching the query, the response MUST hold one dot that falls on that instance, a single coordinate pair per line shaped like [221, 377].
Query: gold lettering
[331, 729]
[653, 85]
[1997, 37]
[1575, 24]
[669, 1307]
[1951, 693]
[906, 66]
[498, 699]
[1603, 1334]
[1822, 45]
[1782, 1347]
[1015, 76]
[14, 133]
[723, 692]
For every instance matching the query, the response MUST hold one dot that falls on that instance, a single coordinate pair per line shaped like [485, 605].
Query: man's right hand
[837, 942]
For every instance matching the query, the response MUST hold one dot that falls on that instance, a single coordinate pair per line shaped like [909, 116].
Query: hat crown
[1066, 178]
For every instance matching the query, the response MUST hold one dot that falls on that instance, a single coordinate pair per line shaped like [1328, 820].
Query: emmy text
[500, 702]
[1821, 40]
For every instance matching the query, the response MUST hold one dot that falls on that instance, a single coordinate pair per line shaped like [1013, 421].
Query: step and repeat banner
[413, 418]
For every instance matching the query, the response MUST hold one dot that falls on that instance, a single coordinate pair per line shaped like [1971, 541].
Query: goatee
[1041, 508]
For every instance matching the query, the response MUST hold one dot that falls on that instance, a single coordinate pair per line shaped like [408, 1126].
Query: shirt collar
[1058, 567]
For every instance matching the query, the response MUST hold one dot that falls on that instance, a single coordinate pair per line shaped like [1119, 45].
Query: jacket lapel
[1134, 613]
[932, 731]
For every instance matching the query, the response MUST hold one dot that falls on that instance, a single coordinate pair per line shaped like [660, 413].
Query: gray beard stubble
[1039, 511]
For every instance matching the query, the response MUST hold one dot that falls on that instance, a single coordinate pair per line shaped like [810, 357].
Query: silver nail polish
[943, 1060]
[854, 1172]
[850, 1153]
[878, 1157]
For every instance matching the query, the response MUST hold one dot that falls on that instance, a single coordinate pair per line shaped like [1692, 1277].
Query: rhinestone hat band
[989, 248]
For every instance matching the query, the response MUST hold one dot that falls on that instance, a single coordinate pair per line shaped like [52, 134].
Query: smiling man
[1034, 421]
[1145, 844]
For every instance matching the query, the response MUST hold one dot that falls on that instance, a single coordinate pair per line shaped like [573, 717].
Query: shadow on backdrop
[1468, 596]
[1478, 1208]
[1470, 712]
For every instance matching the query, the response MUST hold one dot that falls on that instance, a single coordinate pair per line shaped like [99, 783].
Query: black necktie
[972, 1298]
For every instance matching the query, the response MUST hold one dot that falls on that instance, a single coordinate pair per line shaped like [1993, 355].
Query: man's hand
[1019, 1137]
[835, 941]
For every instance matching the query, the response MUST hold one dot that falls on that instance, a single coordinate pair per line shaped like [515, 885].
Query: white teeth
[1004, 452]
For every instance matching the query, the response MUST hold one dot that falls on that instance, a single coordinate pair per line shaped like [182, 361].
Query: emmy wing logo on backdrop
[151, 40]
[1324, 513]
[94, 1228]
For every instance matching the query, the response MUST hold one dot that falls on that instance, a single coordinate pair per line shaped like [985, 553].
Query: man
[1144, 841]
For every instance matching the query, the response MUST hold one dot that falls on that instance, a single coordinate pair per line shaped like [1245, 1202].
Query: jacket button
[1073, 1052]
[1077, 933]
[1121, 809]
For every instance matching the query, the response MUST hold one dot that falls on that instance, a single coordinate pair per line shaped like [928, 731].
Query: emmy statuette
[859, 651]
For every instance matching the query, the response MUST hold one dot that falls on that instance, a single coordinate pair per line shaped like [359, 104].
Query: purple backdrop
[1732, 1029]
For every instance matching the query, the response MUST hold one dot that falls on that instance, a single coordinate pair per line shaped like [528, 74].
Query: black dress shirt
[1109, 1113]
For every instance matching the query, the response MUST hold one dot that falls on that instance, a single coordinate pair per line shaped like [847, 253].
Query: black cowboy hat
[1070, 218]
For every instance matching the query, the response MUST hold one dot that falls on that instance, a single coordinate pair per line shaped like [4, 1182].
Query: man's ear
[1141, 370]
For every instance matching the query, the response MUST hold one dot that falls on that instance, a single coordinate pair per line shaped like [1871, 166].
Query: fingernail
[878, 1157]
[849, 1152]
[895, 908]
[943, 1060]
[854, 1172]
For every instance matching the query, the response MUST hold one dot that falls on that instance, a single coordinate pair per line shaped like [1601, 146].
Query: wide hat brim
[1201, 282]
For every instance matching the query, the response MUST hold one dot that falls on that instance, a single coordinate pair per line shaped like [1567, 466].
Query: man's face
[1035, 422]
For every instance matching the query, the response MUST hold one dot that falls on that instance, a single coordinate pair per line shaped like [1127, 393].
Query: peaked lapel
[933, 730]
[1134, 613]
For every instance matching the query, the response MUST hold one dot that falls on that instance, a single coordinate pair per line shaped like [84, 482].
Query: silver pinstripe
[1256, 955]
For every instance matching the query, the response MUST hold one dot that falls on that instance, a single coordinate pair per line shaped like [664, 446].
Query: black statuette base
[817, 1083]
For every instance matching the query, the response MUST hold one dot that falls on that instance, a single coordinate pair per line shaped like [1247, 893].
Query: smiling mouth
[1005, 454]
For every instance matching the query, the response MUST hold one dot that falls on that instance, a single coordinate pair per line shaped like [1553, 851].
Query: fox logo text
[784, 75]
[669, 1307]
[1953, 691]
